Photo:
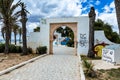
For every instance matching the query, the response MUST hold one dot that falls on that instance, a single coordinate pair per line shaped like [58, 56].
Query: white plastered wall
[83, 29]
[42, 38]
[100, 37]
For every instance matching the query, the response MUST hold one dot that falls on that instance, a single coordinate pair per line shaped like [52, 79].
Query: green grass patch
[84, 57]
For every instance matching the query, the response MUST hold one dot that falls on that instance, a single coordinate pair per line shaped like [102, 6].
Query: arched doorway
[54, 26]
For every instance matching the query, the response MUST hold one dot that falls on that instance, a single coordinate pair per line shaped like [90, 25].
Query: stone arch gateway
[54, 26]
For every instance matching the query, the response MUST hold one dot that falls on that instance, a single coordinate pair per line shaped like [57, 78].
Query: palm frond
[88, 66]
[14, 7]
[17, 14]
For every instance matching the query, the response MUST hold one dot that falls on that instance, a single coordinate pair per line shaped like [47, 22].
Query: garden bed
[111, 74]
[103, 70]
[84, 57]
[12, 59]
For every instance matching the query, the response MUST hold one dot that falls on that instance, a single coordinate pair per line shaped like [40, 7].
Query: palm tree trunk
[10, 36]
[117, 7]
[19, 38]
[91, 33]
[15, 37]
[7, 38]
[24, 20]
[91, 40]
[7, 43]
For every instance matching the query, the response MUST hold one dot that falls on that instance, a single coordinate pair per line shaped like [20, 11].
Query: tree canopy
[109, 33]
[65, 32]
[37, 29]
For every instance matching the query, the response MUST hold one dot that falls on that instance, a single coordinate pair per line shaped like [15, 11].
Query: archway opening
[54, 27]
[63, 41]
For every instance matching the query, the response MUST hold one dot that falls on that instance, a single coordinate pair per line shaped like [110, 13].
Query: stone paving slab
[100, 64]
[51, 67]
[63, 50]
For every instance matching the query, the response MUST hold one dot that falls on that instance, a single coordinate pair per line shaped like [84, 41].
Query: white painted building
[81, 33]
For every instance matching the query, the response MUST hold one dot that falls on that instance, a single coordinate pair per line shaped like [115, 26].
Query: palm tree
[23, 21]
[7, 9]
[20, 33]
[91, 32]
[14, 24]
[3, 32]
[117, 7]
[15, 31]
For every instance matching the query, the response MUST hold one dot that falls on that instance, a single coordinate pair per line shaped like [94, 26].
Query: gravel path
[51, 67]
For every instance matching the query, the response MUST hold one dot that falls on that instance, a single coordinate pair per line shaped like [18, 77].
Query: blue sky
[105, 10]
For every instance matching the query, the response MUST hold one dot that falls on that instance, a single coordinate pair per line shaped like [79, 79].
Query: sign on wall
[83, 40]
[108, 55]
[43, 21]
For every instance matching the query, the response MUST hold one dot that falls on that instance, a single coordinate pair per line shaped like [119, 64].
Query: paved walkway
[63, 50]
[51, 67]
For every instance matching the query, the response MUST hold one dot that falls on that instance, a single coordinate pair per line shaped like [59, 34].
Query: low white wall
[33, 40]
[37, 39]
[100, 37]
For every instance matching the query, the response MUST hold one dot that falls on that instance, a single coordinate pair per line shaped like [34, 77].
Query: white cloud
[83, 1]
[51, 8]
[107, 8]
[97, 13]
[109, 18]
[66, 8]
[97, 2]
[47, 8]
[31, 26]
[112, 5]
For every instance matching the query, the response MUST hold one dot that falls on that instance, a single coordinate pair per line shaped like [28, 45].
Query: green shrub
[29, 50]
[18, 49]
[12, 48]
[2, 47]
[70, 43]
[15, 49]
[41, 50]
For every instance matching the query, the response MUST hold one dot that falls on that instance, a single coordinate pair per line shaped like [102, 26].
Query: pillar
[51, 47]
[75, 46]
